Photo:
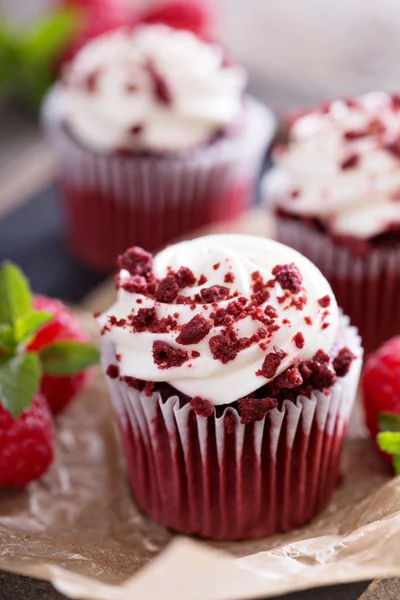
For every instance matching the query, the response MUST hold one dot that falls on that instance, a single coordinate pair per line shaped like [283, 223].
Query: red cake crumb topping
[214, 293]
[118, 357]
[143, 320]
[165, 356]
[224, 347]
[160, 87]
[289, 277]
[393, 148]
[168, 289]
[133, 382]
[299, 340]
[295, 193]
[230, 423]
[308, 320]
[281, 353]
[195, 354]
[202, 408]
[194, 331]
[350, 162]
[113, 371]
[255, 409]
[96, 314]
[136, 260]
[136, 129]
[325, 301]
[270, 365]
[202, 280]
[185, 277]
[91, 81]
[116, 322]
[229, 277]
[350, 136]
[271, 312]
[216, 266]
[342, 362]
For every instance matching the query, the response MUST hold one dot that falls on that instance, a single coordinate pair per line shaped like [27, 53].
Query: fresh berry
[58, 390]
[98, 17]
[191, 15]
[381, 383]
[26, 443]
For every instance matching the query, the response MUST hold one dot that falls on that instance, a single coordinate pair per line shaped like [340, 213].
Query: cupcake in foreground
[233, 375]
[336, 189]
[155, 138]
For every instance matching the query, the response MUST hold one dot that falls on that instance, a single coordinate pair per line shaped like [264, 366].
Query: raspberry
[26, 444]
[191, 15]
[58, 390]
[381, 383]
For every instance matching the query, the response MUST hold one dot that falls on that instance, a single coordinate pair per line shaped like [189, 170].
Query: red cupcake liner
[190, 474]
[112, 202]
[367, 288]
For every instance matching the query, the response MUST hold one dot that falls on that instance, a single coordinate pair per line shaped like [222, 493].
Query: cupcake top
[156, 89]
[342, 166]
[219, 317]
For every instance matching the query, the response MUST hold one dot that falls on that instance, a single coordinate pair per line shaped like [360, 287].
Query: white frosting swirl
[311, 179]
[215, 256]
[111, 99]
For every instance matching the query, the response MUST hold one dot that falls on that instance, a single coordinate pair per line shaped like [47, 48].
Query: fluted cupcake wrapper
[194, 475]
[367, 288]
[113, 201]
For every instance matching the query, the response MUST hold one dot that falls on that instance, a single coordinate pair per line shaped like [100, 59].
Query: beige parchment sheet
[79, 527]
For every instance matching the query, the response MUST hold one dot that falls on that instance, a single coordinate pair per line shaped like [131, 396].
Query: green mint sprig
[389, 437]
[21, 369]
[28, 57]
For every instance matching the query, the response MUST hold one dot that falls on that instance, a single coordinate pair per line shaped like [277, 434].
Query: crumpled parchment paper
[79, 526]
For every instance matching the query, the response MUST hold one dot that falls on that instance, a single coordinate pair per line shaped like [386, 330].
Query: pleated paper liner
[190, 474]
[367, 288]
[115, 201]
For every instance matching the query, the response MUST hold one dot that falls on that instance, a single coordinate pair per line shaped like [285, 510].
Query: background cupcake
[335, 190]
[233, 376]
[155, 138]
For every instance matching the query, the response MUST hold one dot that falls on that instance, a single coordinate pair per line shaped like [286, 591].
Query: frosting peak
[155, 89]
[342, 166]
[220, 316]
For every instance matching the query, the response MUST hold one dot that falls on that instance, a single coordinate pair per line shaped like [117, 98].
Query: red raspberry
[381, 383]
[98, 17]
[58, 390]
[26, 444]
[192, 15]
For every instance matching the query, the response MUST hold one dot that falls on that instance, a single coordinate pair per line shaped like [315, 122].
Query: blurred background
[296, 53]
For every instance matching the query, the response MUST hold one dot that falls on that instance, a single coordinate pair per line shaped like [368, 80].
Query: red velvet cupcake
[155, 138]
[335, 190]
[233, 376]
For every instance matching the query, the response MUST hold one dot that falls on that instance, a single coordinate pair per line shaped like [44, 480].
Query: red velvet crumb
[342, 362]
[350, 162]
[229, 423]
[168, 289]
[224, 347]
[281, 353]
[271, 312]
[96, 314]
[185, 277]
[194, 331]
[136, 129]
[136, 260]
[160, 86]
[299, 340]
[229, 277]
[325, 301]
[214, 293]
[143, 319]
[291, 378]
[135, 383]
[255, 409]
[202, 280]
[308, 320]
[165, 356]
[216, 266]
[113, 371]
[289, 277]
[270, 365]
[202, 408]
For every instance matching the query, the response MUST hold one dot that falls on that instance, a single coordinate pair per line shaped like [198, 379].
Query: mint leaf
[68, 358]
[19, 381]
[30, 323]
[389, 442]
[389, 421]
[7, 339]
[48, 36]
[15, 295]
[396, 463]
